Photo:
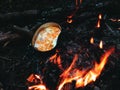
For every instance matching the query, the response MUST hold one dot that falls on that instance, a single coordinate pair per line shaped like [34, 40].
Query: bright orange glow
[30, 78]
[69, 20]
[71, 66]
[37, 87]
[56, 59]
[101, 44]
[52, 58]
[92, 40]
[100, 16]
[99, 20]
[98, 24]
[36, 79]
[37, 76]
[83, 77]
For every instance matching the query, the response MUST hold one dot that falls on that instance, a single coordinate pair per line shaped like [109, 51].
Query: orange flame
[100, 16]
[101, 44]
[56, 59]
[72, 65]
[37, 87]
[30, 78]
[92, 40]
[98, 24]
[69, 20]
[83, 77]
[36, 79]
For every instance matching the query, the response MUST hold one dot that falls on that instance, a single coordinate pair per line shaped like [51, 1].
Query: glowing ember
[101, 44]
[30, 78]
[92, 40]
[99, 20]
[100, 16]
[56, 59]
[69, 20]
[34, 78]
[98, 24]
[37, 80]
[37, 87]
[83, 77]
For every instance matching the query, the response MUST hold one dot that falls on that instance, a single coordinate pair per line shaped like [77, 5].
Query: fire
[37, 87]
[92, 40]
[83, 77]
[37, 80]
[98, 24]
[34, 78]
[100, 16]
[69, 20]
[99, 20]
[56, 59]
[101, 44]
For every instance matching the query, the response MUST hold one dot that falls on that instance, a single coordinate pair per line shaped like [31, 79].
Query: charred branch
[8, 36]
[33, 15]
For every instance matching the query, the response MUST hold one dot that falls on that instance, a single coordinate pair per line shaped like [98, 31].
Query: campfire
[81, 76]
[76, 47]
[74, 72]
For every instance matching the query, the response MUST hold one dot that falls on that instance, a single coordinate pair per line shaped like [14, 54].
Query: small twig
[4, 58]
[109, 28]
[8, 36]
[23, 31]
